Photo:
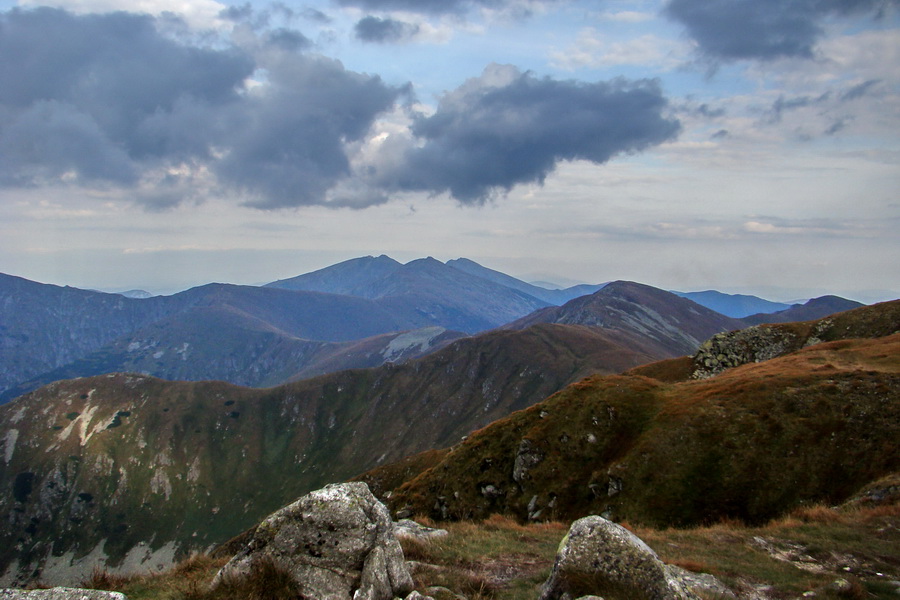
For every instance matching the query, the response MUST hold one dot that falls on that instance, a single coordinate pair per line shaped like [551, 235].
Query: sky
[749, 146]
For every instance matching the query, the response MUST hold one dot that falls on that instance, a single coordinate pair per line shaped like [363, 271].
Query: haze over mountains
[344, 316]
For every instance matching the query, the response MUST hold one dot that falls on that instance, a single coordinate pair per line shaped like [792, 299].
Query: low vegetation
[751, 443]
[849, 553]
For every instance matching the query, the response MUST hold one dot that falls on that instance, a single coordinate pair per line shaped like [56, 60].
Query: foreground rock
[59, 593]
[336, 543]
[602, 558]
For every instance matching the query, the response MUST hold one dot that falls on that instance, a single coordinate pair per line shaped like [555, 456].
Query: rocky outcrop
[735, 348]
[336, 543]
[602, 558]
[60, 593]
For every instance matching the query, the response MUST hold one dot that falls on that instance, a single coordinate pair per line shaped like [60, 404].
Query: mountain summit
[676, 325]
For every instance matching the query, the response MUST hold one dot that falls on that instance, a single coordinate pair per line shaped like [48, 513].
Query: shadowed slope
[122, 465]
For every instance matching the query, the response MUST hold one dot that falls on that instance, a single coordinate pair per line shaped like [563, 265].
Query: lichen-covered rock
[407, 528]
[736, 348]
[527, 457]
[60, 593]
[602, 558]
[336, 543]
[702, 583]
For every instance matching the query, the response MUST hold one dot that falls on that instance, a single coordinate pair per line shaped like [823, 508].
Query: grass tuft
[266, 581]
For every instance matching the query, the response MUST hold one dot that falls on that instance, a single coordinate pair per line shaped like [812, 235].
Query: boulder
[407, 528]
[601, 558]
[60, 593]
[336, 543]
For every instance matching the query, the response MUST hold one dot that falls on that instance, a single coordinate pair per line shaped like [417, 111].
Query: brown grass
[266, 581]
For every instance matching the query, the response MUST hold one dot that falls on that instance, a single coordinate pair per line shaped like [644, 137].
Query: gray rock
[60, 593]
[406, 528]
[735, 348]
[336, 543]
[702, 582]
[600, 557]
[527, 457]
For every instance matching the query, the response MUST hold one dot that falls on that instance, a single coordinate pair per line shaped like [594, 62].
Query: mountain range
[128, 471]
[351, 368]
[359, 313]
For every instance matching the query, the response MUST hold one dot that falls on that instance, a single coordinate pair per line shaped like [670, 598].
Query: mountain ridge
[810, 425]
[676, 324]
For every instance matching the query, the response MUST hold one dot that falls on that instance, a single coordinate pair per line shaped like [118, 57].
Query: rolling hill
[811, 425]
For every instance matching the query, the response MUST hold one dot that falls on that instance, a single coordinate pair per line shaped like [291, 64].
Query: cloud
[508, 127]
[591, 49]
[110, 102]
[201, 14]
[106, 99]
[111, 93]
[374, 29]
[288, 149]
[729, 30]
[860, 90]
[443, 7]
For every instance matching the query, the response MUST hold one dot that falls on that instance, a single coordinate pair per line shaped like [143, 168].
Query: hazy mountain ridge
[452, 297]
[736, 306]
[45, 326]
[238, 333]
[293, 327]
[551, 296]
[816, 308]
[676, 325]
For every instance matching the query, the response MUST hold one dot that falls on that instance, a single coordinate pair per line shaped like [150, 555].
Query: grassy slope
[751, 443]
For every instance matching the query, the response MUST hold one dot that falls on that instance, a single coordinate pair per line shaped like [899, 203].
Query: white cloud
[201, 14]
[627, 16]
[593, 49]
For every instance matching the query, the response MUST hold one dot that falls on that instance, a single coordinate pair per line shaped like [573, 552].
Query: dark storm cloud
[103, 93]
[107, 99]
[289, 149]
[508, 128]
[374, 29]
[728, 30]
